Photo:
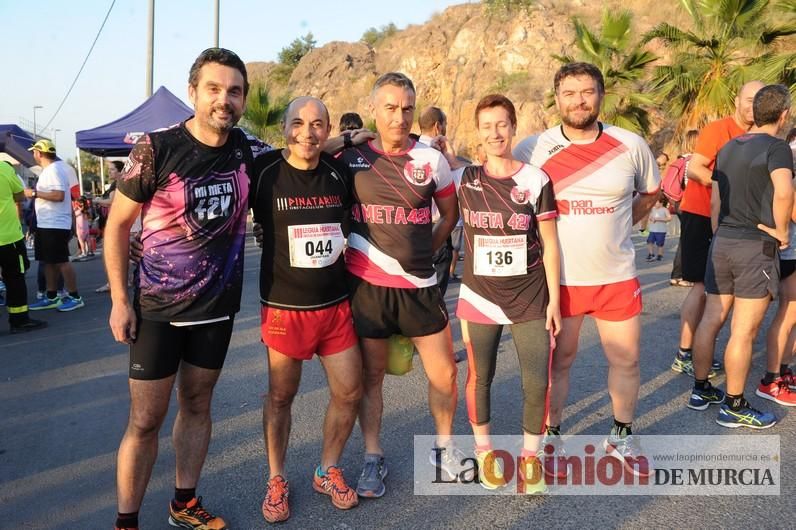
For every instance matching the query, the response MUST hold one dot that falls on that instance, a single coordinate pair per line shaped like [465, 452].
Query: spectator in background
[658, 220]
[687, 148]
[103, 202]
[13, 254]
[697, 232]
[82, 212]
[433, 123]
[350, 121]
[54, 229]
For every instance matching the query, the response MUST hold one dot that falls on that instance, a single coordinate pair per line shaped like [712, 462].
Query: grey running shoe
[553, 456]
[627, 450]
[449, 458]
[371, 481]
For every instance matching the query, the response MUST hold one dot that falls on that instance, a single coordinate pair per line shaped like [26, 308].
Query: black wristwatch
[347, 141]
[34, 194]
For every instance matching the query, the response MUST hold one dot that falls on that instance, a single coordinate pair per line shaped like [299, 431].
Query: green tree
[624, 65]
[373, 36]
[290, 56]
[292, 53]
[264, 114]
[731, 42]
[508, 7]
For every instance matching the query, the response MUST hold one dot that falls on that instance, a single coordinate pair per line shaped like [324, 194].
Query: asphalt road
[64, 405]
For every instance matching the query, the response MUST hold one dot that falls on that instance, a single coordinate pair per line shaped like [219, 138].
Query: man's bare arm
[782, 205]
[448, 216]
[337, 144]
[699, 170]
[715, 206]
[642, 205]
[54, 196]
[122, 215]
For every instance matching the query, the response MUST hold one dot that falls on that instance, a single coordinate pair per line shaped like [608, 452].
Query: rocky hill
[460, 55]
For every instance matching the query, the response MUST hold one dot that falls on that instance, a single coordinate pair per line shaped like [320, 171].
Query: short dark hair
[223, 57]
[791, 135]
[118, 164]
[579, 69]
[395, 79]
[350, 121]
[769, 104]
[496, 100]
[429, 117]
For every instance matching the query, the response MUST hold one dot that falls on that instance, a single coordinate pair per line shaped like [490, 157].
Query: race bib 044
[500, 255]
[315, 246]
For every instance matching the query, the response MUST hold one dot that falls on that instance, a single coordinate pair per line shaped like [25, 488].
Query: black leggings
[532, 342]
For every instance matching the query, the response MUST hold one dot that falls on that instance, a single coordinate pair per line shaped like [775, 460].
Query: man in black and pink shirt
[190, 184]
[392, 279]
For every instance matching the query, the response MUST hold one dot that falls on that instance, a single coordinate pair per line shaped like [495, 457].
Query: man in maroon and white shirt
[605, 180]
[393, 284]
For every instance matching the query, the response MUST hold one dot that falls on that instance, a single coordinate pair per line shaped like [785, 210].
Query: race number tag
[500, 255]
[315, 246]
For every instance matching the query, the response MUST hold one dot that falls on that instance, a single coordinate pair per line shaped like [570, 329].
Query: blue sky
[47, 40]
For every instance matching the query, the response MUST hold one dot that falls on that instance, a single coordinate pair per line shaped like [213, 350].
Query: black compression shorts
[160, 346]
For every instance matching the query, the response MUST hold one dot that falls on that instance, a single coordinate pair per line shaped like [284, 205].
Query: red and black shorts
[300, 334]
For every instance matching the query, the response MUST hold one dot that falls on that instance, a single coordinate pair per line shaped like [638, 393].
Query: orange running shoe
[275, 506]
[333, 484]
[195, 516]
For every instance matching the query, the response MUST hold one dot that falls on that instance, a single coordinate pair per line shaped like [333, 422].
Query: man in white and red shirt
[605, 180]
[393, 285]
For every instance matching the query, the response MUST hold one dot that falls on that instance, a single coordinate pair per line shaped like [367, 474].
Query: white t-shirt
[51, 214]
[594, 184]
[658, 220]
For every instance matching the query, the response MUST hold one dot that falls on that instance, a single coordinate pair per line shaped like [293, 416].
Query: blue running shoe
[702, 399]
[371, 481]
[716, 366]
[44, 303]
[746, 417]
[69, 303]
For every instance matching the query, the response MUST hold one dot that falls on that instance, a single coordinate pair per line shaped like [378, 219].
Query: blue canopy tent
[161, 110]
[116, 138]
[15, 142]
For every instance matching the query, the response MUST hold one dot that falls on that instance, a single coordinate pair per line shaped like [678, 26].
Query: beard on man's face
[582, 121]
[222, 125]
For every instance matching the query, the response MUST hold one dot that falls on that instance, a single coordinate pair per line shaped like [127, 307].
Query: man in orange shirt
[696, 232]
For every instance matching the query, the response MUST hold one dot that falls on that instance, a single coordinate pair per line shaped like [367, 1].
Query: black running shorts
[786, 268]
[695, 236]
[159, 347]
[52, 245]
[380, 312]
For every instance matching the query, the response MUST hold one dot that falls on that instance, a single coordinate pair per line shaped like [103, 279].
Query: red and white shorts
[302, 334]
[614, 301]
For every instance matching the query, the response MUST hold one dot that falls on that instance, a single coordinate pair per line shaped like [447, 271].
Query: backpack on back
[673, 182]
